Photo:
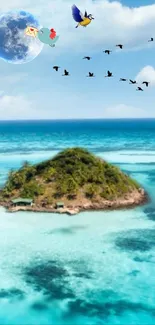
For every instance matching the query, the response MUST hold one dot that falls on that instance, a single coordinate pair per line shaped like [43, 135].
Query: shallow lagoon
[93, 268]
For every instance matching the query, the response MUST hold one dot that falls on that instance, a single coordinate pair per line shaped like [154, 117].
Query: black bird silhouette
[133, 81]
[139, 88]
[120, 46]
[145, 83]
[56, 68]
[151, 39]
[91, 74]
[122, 79]
[109, 74]
[107, 51]
[66, 73]
[87, 57]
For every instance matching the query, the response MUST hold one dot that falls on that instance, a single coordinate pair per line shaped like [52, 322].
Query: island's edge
[95, 206]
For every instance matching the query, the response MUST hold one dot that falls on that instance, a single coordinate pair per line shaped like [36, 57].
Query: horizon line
[80, 119]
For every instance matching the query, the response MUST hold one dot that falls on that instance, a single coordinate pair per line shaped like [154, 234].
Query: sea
[95, 268]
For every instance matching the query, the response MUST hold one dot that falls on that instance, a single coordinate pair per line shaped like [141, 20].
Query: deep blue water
[55, 135]
[93, 268]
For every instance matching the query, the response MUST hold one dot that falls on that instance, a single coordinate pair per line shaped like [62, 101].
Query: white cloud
[124, 111]
[21, 108]
[113, 22]
[147, 74]
[13, 78]
[1, 93]
[14, 107]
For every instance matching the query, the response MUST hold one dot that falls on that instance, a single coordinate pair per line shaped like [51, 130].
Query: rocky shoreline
[136, 198]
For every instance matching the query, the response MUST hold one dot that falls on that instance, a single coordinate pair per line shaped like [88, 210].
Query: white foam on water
[127, 156]
[31, 156]
[139, 168]
[122, 156]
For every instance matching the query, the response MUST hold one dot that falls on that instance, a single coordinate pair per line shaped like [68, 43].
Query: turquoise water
[93, 268]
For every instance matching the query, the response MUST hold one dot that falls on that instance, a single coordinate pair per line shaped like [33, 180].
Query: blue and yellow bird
[82, 20]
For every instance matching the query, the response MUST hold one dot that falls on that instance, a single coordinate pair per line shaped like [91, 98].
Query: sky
[35, 91]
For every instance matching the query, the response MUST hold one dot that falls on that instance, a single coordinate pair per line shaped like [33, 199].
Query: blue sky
[137, 3]
[35, 91]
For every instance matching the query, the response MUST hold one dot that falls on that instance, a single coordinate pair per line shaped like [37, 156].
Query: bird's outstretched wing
[85, 14]
[55, 39]
[77, 14]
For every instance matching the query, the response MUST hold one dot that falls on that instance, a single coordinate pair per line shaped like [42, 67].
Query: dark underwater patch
[134, 272]
[138, 259]
[151, 216]
[105, 309]
[141, 240]
[39, 306]
[144, 259]
[151, 175]
[150, 212]
[81, 269]
[12, 293]
[91, 308]
[66, 230]
[133, 244]
[83, 275]
[50, 278]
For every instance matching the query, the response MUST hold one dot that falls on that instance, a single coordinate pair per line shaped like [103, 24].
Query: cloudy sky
[35, 91]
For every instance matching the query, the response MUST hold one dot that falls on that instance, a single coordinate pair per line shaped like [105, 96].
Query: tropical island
[74, 180]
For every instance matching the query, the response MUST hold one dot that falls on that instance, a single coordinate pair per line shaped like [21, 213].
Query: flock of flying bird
[109, 74]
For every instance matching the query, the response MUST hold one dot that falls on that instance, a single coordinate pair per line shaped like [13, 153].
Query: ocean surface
[93, 268]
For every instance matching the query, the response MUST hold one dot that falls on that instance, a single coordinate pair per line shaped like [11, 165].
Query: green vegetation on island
[72, 175]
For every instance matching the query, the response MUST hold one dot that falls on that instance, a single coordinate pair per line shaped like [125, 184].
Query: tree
[25, 164]
[61, 188]
[32, 189]
[72, 187]
[16, 180]
[49, 174]
[91, 190]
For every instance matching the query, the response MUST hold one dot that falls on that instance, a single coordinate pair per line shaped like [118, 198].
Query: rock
[72, 211]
